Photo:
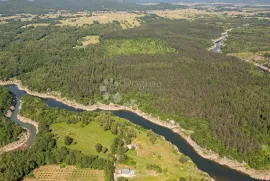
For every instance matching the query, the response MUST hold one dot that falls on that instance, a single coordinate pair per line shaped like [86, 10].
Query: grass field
[163, 154]
[138, 46]
[90, 40]
[86, 138]
[69, 173]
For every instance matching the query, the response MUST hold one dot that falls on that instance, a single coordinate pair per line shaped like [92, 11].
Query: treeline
[9, 131]
[248, 39]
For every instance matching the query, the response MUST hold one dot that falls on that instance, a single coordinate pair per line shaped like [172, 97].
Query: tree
[104, 150]
[99, 147]
[183, 159]
[68, 140]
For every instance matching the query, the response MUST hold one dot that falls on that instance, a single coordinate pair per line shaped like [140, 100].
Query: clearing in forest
[69, 173]
[136, 46]
[85, 138]
[92, 39]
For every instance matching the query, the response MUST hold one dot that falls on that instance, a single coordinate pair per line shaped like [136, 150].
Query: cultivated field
[69, 173]
[190, 14]
[85, 138]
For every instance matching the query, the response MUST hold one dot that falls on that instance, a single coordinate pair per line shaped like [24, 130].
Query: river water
[215, 170]
[219, 43]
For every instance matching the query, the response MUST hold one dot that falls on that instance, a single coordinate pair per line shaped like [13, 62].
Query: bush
[122, 179]
[104, 150]
[182, 179]
[183, 159]
[99, 147]
[68, 140]
[154, 167]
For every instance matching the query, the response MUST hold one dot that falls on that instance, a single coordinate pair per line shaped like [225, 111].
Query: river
[215, 170]
[219, 42]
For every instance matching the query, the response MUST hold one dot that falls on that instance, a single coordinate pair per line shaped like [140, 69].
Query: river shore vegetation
[9, 131]
[152, 149]
[219, 98]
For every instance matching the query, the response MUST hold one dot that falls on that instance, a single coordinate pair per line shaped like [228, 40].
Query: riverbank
[257, 174]
[17, 144]
[215, 41]
[21, 143]
[29, 121]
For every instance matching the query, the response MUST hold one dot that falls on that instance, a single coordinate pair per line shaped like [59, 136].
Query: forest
[220, 98]
[44, 151]
[9, 131]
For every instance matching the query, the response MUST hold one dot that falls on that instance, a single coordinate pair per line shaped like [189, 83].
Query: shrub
[68, 140]
[99, 147]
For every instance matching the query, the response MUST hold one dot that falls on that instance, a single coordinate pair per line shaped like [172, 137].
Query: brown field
[22, 17]
[69, 173]
[90, 40]
[129, 19]
[191, 13]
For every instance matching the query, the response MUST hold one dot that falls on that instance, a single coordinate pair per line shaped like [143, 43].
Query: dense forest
[9, 131]
[248, 39]
[220, 98]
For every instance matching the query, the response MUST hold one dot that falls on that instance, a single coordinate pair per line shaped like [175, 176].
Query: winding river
[215, 170]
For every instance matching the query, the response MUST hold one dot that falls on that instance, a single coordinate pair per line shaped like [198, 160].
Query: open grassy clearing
[85, 138]
[138, 46]
[90, 40]
[162, 154]
[36, 25]
[69, 173]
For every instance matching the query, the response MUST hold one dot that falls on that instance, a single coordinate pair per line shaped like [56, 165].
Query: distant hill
[209, 1]
[40, 6]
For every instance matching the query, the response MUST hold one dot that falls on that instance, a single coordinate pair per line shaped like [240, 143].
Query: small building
[132, 146]
[126, 171]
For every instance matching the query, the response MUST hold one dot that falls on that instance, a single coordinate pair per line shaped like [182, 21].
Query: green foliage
[99, 147]
[183, 159]
[152, 136]
[248, 39]
[214, 96]
[68, 140]
[5, 100]
[9, 131]
[136, 46]
[122, 179]
[154, 167]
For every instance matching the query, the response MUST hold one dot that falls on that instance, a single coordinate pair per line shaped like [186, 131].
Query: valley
[90, 83]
